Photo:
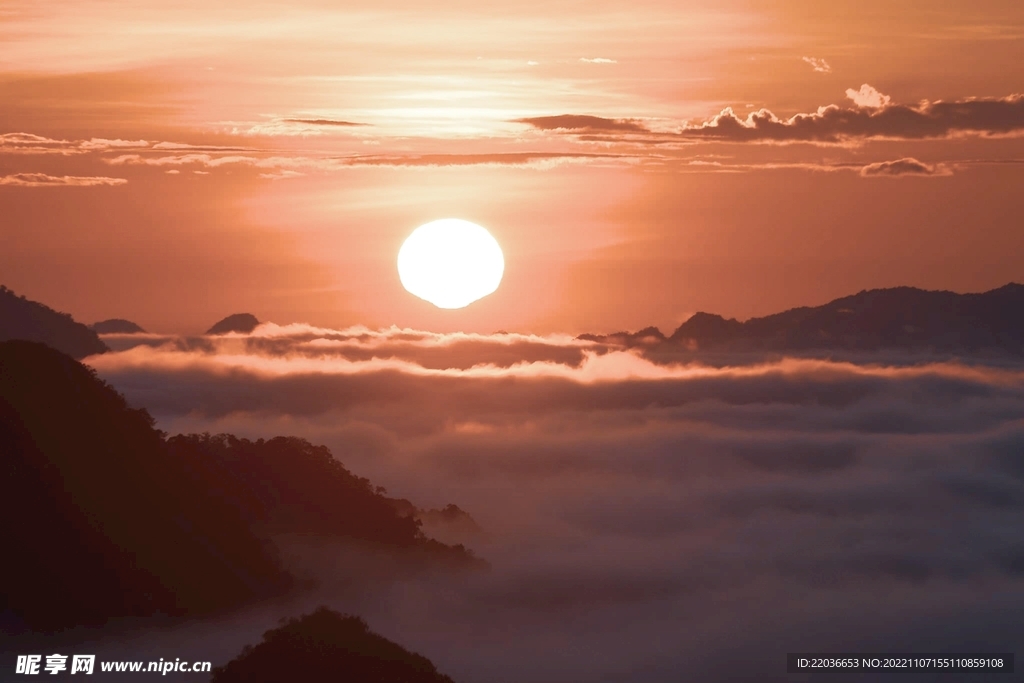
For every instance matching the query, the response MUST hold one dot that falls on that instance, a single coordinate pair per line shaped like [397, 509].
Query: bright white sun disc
[450, 263]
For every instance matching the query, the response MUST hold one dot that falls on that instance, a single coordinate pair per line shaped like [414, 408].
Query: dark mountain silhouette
[239, 322]
[21, 318]
[901, 318]
[105, 517]
[116, 326]
[286, 485]
[326, 646]
[647, 336]
[99, 514]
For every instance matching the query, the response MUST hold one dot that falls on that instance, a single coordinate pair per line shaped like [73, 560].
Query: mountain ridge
[22, 318]
[91, 505]
[905, 318]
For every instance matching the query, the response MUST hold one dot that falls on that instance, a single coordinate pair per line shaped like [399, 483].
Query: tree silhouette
[327, 646]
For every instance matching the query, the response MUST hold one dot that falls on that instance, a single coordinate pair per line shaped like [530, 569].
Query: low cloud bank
[645, 521]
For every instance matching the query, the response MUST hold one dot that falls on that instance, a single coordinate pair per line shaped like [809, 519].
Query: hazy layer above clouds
[645, 521]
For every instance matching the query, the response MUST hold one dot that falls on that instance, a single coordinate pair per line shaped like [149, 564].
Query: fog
[645, 521]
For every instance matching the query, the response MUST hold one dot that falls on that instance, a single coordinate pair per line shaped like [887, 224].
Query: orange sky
[174, 163]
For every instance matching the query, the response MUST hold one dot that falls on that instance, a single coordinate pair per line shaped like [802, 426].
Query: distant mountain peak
[238, 322]
[116, 326]
[651, 332]
[706, 326]
[648, 335]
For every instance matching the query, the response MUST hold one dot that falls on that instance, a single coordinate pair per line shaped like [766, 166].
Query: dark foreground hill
[287, 485]
[239, 322]
[902, 318]
[101, 516]
[21, 318]
[116, 326]
[327, 646]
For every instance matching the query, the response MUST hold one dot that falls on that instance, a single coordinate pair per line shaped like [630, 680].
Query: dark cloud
[726, 513]
[324, 122]
[898, 121]
[581, 123]
[875, 117]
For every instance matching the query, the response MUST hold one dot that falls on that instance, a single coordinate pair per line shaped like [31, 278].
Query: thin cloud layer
[30, 143]
[764, 505]
[324, 122]
[44, 180]
[282, 164]
[878, 169]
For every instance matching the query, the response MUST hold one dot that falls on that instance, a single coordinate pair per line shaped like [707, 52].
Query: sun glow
[451, 263]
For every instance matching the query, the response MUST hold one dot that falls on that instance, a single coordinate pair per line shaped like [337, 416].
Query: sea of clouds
[646, 520]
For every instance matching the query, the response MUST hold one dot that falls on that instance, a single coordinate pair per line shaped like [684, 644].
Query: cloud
[281, 175]
[752, 504]
[295, 164]
[30, 143]
[28, 139]
[583, 123]
[832, 124]
[323, 122]
[102, 144]
[539, 160]
[598, 60]
[906, 166]
[898, 167]
[180, 146]
[819, 65]
[203, 159]
[273, 351]
[44, 180]
[868, 96]
[298, 126]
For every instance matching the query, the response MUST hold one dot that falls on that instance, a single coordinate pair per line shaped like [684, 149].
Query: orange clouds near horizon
[175, 164]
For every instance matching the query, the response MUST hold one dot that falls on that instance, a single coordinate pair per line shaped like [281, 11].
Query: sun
[451, 263]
